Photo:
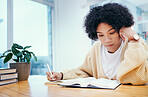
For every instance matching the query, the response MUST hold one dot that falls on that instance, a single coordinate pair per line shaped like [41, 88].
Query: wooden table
[35, 87]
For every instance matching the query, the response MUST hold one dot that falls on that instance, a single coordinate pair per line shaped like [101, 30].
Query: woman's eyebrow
[99, 32]
[108, 30]
[111, 29]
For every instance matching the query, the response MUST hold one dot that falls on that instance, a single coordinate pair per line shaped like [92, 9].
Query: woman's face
[109, 37]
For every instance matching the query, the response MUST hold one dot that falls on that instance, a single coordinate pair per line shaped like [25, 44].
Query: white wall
[70, 42]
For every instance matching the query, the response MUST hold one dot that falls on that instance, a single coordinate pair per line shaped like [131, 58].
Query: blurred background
[54, 29]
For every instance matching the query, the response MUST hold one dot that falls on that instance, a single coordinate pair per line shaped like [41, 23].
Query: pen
[49, 70]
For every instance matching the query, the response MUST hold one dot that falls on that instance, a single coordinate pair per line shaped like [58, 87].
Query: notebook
[91, 82]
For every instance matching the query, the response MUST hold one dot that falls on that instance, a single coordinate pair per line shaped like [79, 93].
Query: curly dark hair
[113, 14]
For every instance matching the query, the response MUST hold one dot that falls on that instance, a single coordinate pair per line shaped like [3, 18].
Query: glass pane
[31, 28]
[142, 20]
[3, 30]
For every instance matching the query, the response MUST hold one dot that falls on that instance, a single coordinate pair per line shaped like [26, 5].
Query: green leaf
[6, 52]
[8, 57]
[26, 47]
[19, 54]
[28, 57]
[21, 58]
[17, 46]
[1, 57]
[16, 60]
[15, 51]
[34, 56]
[25, 52]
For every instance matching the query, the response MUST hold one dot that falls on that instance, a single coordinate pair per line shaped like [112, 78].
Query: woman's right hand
[55, 76]
[127, 32]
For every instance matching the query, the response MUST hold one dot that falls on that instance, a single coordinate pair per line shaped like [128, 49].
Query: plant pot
[23, 70]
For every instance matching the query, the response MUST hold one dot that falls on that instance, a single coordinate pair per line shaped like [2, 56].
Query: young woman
[119, 54]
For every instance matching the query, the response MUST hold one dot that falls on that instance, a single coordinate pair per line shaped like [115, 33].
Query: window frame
[10, 32]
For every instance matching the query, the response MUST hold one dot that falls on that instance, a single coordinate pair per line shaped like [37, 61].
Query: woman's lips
[110, 45]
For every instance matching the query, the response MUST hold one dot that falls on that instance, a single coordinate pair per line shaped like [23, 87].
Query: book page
[83, 82]
[105, 83]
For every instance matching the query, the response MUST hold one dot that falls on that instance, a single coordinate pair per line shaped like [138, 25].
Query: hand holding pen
[53, 76]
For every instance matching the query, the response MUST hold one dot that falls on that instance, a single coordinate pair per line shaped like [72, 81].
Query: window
[32, 27]
[28, 22]
[3, 29]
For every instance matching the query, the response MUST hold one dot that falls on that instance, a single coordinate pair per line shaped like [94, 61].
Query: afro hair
[113, 14]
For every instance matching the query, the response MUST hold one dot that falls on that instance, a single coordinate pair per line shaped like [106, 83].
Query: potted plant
[22, 57]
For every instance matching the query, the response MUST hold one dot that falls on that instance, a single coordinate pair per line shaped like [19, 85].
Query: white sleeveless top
[110, 61]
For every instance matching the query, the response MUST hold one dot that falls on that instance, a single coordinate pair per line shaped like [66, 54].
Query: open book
[91, 82]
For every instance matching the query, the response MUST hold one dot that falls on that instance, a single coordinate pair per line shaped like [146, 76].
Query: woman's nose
[107, 39]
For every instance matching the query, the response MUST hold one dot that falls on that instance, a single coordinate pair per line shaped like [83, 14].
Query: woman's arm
[134, 67]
